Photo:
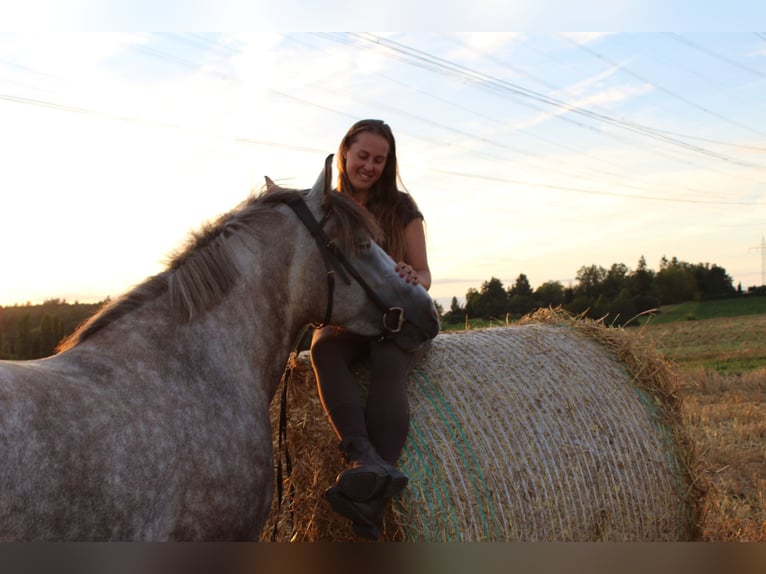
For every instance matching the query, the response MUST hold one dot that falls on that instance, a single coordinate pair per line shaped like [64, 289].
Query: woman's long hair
[385, 197]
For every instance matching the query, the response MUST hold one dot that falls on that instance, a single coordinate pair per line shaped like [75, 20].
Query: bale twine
[558, 429]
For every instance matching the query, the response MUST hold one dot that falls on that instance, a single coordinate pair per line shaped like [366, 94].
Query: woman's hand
[407, 273]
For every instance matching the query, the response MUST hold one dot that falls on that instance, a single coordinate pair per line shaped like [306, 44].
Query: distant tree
[675, 282]
[713, 281]
[616, 292]
[48, 338]
[590, 280]
[454, 306]
[494, 299]
[521, 296]
[615, 280]
[456, 313]
[579, 304]
[640, 281]
[550, 294]
[521, 287]
[24, 343]
[623, 308]
[473, 302]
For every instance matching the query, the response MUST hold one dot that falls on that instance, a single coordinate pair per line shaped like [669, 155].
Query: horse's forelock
[355, 225]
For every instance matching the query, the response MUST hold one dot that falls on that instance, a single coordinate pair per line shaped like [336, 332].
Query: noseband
[336, 261]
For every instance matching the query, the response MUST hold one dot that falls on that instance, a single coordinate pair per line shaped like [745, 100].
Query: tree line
[617, 293]
[33, 331]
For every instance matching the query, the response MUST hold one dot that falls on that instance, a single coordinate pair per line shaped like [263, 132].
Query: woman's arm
[414, 269]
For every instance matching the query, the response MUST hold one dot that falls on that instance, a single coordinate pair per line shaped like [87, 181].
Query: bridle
[336, 261]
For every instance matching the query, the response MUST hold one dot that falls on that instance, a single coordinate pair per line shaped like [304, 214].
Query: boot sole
[361, 483]
[346, 508]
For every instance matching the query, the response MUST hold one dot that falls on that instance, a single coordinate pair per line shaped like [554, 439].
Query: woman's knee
[334, 347]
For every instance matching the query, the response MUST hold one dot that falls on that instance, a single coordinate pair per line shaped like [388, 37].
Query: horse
[151, 421]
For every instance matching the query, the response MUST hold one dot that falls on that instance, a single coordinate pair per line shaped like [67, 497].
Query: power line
[624, 69]
[590, 191]
[487, 81]
[516, 150]
[175, 60]
[515, 71]
[415, 117]
[714, 54]
[155, 123]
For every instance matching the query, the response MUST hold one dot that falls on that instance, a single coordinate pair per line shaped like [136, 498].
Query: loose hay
[558, 429]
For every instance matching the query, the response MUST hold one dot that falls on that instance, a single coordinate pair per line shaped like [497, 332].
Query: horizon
[534, 153]
[445, 302]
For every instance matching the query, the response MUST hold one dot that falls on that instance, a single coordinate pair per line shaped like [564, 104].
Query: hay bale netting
[558, 429]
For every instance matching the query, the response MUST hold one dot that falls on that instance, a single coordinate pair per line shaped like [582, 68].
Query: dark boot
[371, 476]
[366, 517]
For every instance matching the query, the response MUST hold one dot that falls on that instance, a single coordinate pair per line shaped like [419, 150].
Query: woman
[371, 435]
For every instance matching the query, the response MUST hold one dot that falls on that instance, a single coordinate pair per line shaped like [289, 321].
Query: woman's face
[365, 160]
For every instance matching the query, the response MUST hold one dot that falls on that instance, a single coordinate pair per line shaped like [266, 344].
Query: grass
[726, 345]
[722, 364]
[726, 417]
[700, 310]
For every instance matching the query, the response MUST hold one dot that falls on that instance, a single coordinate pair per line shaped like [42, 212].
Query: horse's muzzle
[412, 337]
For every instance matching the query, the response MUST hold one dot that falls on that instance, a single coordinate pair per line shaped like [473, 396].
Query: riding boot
[366, 516]
[371, 475]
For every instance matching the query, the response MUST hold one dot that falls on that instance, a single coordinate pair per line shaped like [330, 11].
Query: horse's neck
[245, 339]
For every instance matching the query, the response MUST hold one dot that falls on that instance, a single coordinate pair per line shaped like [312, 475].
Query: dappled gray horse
[151, 423]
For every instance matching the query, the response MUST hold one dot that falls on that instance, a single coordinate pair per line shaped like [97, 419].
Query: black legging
[385, 419]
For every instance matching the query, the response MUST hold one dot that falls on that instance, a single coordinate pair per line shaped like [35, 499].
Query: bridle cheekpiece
[336, 262]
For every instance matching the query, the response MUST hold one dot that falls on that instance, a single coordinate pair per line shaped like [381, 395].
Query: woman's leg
[360, 492]
[387, 411]
[333, 350]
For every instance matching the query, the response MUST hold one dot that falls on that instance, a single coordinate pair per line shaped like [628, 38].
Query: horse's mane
[202, 272]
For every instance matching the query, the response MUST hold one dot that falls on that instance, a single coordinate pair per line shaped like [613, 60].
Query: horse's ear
[323, 183]
[270, 185]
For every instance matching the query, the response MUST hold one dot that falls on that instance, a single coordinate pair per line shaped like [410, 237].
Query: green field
[727, 336]
[694, 310]
[717, 340]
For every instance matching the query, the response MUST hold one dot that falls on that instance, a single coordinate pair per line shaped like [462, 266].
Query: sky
[533, 153]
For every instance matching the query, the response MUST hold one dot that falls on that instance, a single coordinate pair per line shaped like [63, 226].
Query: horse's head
[364, 294]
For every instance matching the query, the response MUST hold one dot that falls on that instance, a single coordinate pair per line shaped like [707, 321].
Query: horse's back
[88, 457]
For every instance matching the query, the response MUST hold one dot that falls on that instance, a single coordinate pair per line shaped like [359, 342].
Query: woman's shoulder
[407, 208]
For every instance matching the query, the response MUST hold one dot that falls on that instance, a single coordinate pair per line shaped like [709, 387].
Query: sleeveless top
[406, 210]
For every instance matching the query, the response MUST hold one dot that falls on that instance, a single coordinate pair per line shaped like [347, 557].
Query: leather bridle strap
[335, 260]
[298, 205]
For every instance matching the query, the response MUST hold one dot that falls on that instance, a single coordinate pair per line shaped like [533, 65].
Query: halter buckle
[395, 315]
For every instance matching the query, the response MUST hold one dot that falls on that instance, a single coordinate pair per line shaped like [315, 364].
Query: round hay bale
[558, 429]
